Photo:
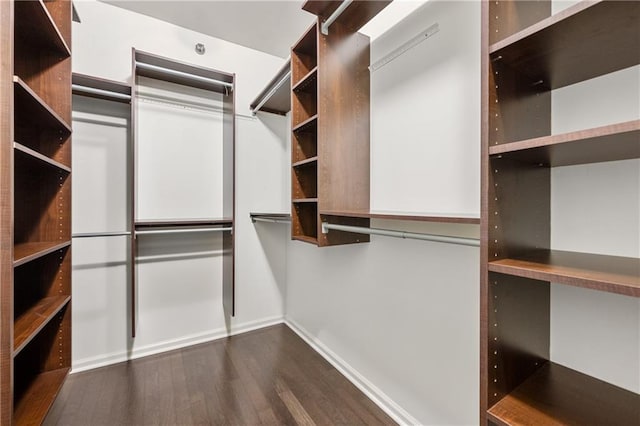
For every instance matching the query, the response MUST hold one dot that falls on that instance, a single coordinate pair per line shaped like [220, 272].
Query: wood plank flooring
[269, 376]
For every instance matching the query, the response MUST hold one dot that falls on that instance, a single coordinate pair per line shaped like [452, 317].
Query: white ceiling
[267, 25]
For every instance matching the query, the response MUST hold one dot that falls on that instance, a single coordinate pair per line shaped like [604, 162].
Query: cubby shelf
[589, 39]
[36, 156]
[26, 252]
[306, 124]
[558, 395]
[311, 78]
[29, 103]
[308, 161]
[612, 274]
[418, 217]
[305, 239]
[29, 324]
[620, 141]
[35, 402]
[34, 25]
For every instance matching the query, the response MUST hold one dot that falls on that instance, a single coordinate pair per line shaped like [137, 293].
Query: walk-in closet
[310, 212]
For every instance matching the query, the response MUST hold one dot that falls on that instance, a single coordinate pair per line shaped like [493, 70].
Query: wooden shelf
[312, 160]
[26, 252]
[301, 127]
[34, 25]
[30, 104]
[100, 84]
[273, 216]
[305, 200]
[29, 324]
[620, 141]
[311, 78]
[183, 223]
[305, 239]
[34, 155]
[419, 217]
[558, 395]
[612, 274]
[34, 403]
[279, 101]
[584, 41]
[353, 17]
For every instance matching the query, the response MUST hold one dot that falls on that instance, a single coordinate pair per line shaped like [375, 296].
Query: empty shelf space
[612, 274]
[34, 319]
[305, 239]
[419, 217]
[308, 83]
[584, 41]
[306, 124]
[26, 252]
[308, 161]
[305, 200]
[276, 96]
[620, 141]
[28, 103]
[33, 405]
[34, 25]
[43, 159]
[558, 395]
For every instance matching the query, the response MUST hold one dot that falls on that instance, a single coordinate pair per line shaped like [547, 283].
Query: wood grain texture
[35, 403]
[269, 376]
[27, 325]
[28, 102]
[507, 17]
[36, 26]
[620, 141]
[29, 154]
[6, 210]
[581, 42]
[411, 216]
[304, 54]
[556, 395]
[343, 125]
[612, 274]
[27, 252]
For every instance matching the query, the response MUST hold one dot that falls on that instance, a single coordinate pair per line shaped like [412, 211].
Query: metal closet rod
[182, 74]
[270, 220]
[271, 92]
[324, 28]
[101, 92]
[474, 242]
[101, 234]
[182, 231]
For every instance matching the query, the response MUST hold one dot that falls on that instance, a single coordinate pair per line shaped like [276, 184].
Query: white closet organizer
[222, 84]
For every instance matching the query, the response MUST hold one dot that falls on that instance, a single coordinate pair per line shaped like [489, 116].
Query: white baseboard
[383, 401]
[169, 345]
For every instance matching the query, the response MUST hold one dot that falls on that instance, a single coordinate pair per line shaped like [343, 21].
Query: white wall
[595, 208]
[179, 300]
[403, 315]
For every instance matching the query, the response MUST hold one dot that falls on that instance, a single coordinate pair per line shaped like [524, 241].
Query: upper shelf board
[276, 96]
[354, 17]
[410, 216]
[584, 41]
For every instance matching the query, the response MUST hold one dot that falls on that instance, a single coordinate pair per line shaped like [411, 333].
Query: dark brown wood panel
[343, 123]
[304, 219]
[612, 274]
[35, 25]
[358, 13]
[559, 395]
[304, 181]
[504, 18]
[518, 331]
[410, 216]
[30, 251]
[613, 142]
[6, 210]
[584, 41]
[29, 154]
[304, 54]
[268, 376]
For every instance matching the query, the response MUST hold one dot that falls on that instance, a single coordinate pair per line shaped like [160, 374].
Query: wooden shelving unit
[330, 126]
[35, 145]
[527, 53]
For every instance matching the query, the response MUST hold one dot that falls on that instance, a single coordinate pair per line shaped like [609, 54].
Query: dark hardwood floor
[269, 376]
